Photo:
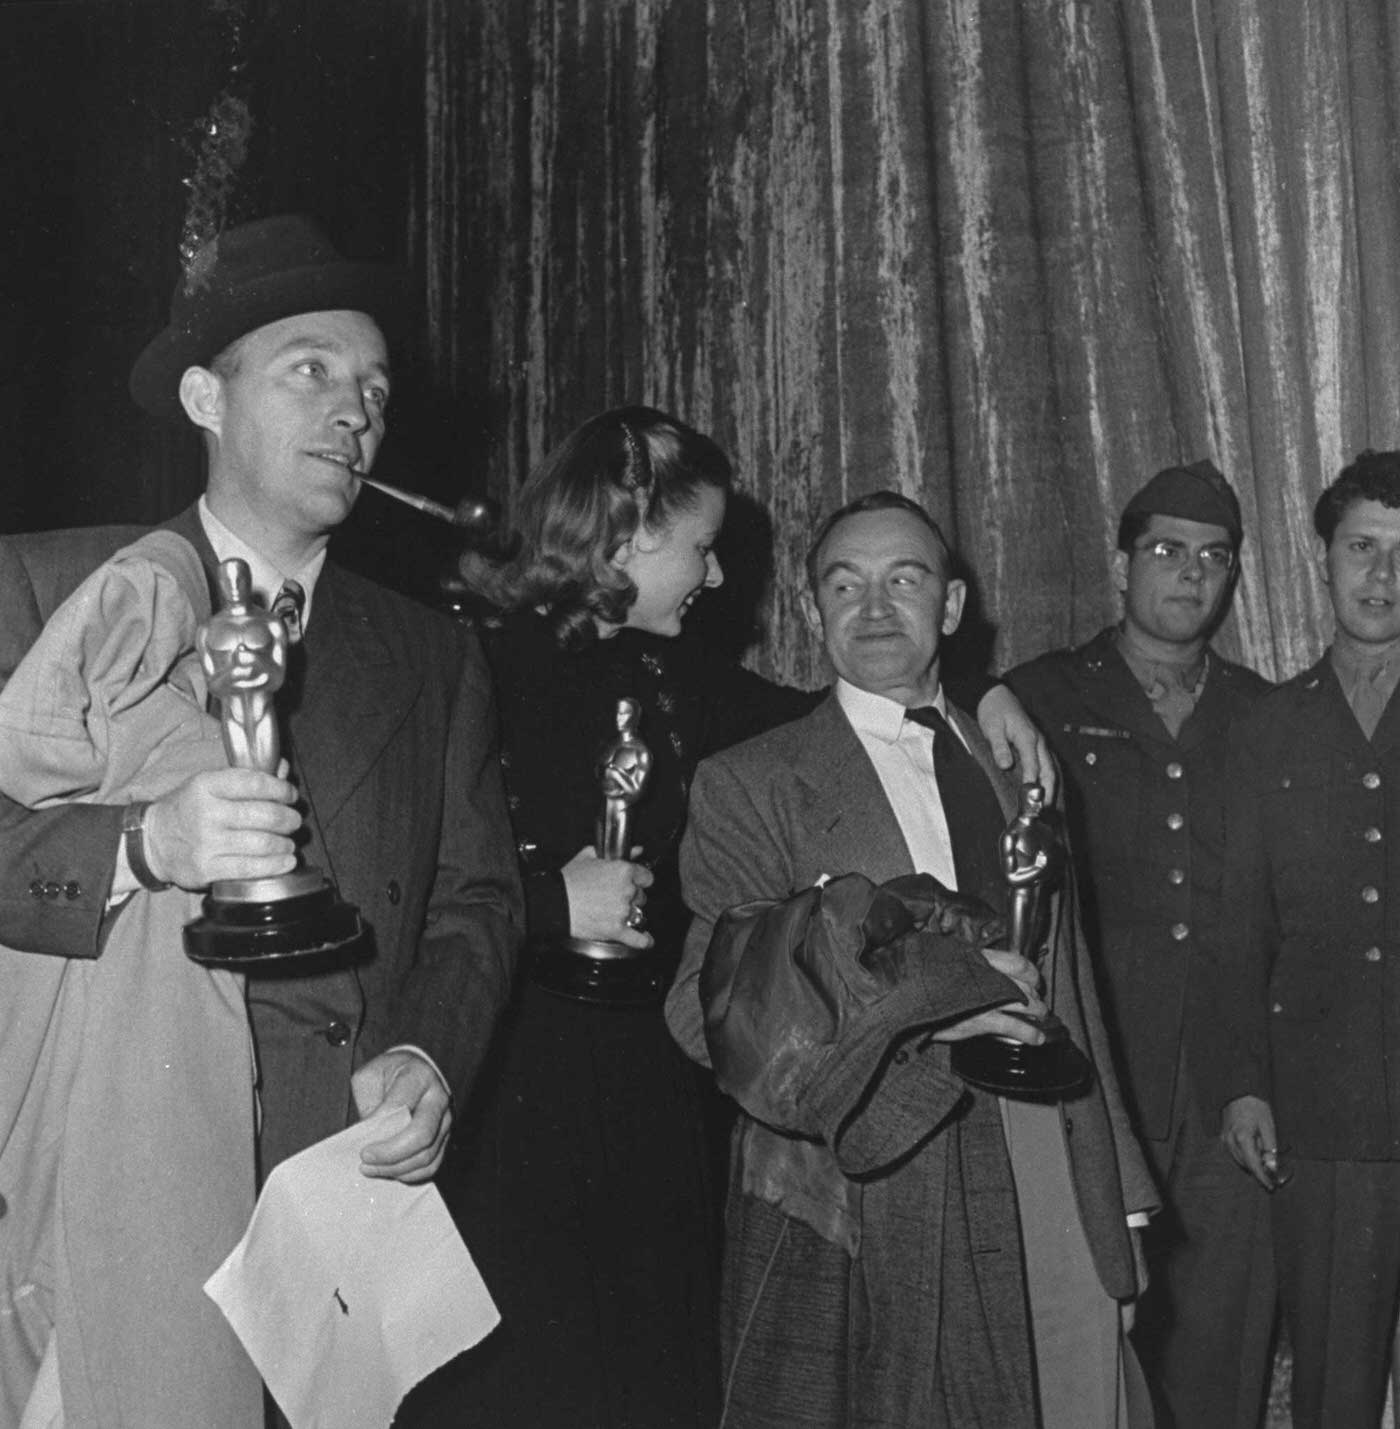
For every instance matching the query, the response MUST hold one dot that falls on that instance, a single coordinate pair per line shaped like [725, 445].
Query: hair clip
[638, 473]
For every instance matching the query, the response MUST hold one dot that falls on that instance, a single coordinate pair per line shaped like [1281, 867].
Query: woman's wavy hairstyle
[627, 468]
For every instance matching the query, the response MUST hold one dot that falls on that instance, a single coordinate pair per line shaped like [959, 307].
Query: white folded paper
[347, 1290]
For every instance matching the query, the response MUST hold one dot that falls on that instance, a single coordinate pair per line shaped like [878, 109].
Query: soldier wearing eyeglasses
[1139, 718]
[1309, 956]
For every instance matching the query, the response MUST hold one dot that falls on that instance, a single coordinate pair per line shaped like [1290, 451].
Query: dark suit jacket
[767, 820]
[1308, 952]
[1146, 814]
[393, 744]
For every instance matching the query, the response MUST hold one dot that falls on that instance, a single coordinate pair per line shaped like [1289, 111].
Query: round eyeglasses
[1175, 555]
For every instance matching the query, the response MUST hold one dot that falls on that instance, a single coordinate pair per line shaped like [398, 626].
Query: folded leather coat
[819, 1015]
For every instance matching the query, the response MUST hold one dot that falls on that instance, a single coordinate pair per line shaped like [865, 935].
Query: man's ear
[811, 614]
[953, 599]
[1320, 547]
[1118, 569]
[202, 397]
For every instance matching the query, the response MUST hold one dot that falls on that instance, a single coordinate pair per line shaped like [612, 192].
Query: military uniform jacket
[1307, 961]
[1146, 815]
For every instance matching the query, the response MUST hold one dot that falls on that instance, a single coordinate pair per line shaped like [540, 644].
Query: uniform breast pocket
[1295, 810]
[1105, 775]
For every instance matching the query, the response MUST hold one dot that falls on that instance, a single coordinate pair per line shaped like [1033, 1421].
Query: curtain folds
[1008, 256]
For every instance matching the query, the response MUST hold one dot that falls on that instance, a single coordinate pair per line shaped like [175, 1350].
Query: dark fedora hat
[252, 275]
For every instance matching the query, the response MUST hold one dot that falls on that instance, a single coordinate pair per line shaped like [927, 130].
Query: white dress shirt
[902, 752]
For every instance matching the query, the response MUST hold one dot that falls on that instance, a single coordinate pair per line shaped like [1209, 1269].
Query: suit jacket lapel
[356, 693]
[854, 823]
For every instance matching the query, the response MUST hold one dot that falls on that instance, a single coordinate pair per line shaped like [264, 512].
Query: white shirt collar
[877, 715]
[267, 579]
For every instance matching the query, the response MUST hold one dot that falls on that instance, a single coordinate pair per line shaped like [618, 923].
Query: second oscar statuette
[592, 969]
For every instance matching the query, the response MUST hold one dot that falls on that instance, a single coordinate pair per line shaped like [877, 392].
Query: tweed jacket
[1307, 964]
[1146, 814]
[770, 818]
[393, 746]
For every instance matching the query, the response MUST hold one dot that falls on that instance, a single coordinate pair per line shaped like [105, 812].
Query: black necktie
[971, 808]
[289, 604]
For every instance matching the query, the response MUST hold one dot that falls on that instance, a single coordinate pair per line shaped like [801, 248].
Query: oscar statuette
[1033, 863]
[592, 969]
[250, 922]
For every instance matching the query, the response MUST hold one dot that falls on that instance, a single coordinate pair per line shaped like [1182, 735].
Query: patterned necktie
[289, 604]
[971, 808]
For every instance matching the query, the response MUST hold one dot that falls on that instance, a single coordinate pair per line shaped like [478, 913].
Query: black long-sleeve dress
[583, 1175]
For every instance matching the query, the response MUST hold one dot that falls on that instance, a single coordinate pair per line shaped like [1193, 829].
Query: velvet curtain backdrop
[1007, 256]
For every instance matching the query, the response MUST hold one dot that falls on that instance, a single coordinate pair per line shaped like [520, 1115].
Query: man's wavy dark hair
[1372, 476]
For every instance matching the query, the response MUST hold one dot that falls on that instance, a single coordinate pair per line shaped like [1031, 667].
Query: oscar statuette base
[297, 918]
[611, 974]
[1053, 1070]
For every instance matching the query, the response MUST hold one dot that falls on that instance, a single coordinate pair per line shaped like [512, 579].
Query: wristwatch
[134, 842]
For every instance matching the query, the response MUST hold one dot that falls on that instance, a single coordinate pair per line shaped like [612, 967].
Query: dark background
[103, 105]
[1008, 258]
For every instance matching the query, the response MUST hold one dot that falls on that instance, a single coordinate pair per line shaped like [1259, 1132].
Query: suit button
[1370, 894]
[337, 1034]
[1373, 955]
[36, 888]
[1372, 836]
[1176, 877]
[72, 890]
[1175, 821]
[1174, 770]
[1372, 780]
[393, 892]
[52, 890]
[1180, 932]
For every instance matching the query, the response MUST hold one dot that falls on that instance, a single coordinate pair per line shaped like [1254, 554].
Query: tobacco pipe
[477, 514]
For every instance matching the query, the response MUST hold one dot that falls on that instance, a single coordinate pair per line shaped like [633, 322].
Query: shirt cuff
[419, 1052]
[124, 881]
[1138, 1219]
